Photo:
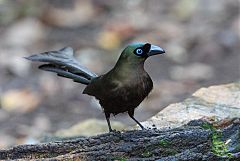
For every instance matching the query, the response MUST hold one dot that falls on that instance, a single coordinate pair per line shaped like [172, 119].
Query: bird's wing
[64, 64]
[101, 86]
[63, 73]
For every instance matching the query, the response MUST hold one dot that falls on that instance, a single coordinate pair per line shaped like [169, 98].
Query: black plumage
[120, 90]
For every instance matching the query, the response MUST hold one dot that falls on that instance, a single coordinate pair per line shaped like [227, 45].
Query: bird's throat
[128, 69]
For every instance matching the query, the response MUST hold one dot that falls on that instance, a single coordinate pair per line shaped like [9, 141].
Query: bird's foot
[141, 126]
[112, 131]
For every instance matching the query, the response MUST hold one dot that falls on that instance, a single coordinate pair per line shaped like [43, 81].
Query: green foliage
[219, 147]
[207, 126]
[147, 153]
[164, 143]
[119, 159]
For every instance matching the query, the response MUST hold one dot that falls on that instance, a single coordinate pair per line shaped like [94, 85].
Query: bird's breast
[132, 91]
[120, 94]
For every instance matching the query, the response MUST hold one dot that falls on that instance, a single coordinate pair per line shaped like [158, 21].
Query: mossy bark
[190, 142]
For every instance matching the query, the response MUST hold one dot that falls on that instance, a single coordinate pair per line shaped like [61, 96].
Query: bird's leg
[131, 114]
[107, 115]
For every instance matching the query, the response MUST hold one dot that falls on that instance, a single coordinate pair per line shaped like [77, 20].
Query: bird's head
[138, 52]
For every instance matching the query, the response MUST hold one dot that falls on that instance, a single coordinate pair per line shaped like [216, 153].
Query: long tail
[64, 64]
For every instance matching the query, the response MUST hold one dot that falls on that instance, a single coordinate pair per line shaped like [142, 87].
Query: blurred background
[201, 39]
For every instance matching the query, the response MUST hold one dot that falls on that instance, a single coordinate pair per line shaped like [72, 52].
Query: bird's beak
[155, 50]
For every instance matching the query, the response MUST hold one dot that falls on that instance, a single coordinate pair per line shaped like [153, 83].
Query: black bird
[120, 90]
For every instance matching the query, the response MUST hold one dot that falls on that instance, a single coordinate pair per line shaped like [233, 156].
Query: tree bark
[190, 142]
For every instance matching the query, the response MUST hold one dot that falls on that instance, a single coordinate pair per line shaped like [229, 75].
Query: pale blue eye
[139, 51]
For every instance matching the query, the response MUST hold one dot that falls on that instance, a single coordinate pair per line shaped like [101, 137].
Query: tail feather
[64, 64]
[63, 73]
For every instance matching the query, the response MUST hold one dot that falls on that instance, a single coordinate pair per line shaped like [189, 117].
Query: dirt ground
[201, 39]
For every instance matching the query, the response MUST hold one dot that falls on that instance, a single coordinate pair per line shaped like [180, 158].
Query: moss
[147, 154]
[170, 151]
[164, 143]
[218, 147]
[163, 147]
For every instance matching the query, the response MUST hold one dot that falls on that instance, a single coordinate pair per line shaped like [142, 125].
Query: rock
[89, 127]
[221, 102]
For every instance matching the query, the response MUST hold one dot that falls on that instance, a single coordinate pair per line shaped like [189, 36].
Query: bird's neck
[128, 68]
[129, 64]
